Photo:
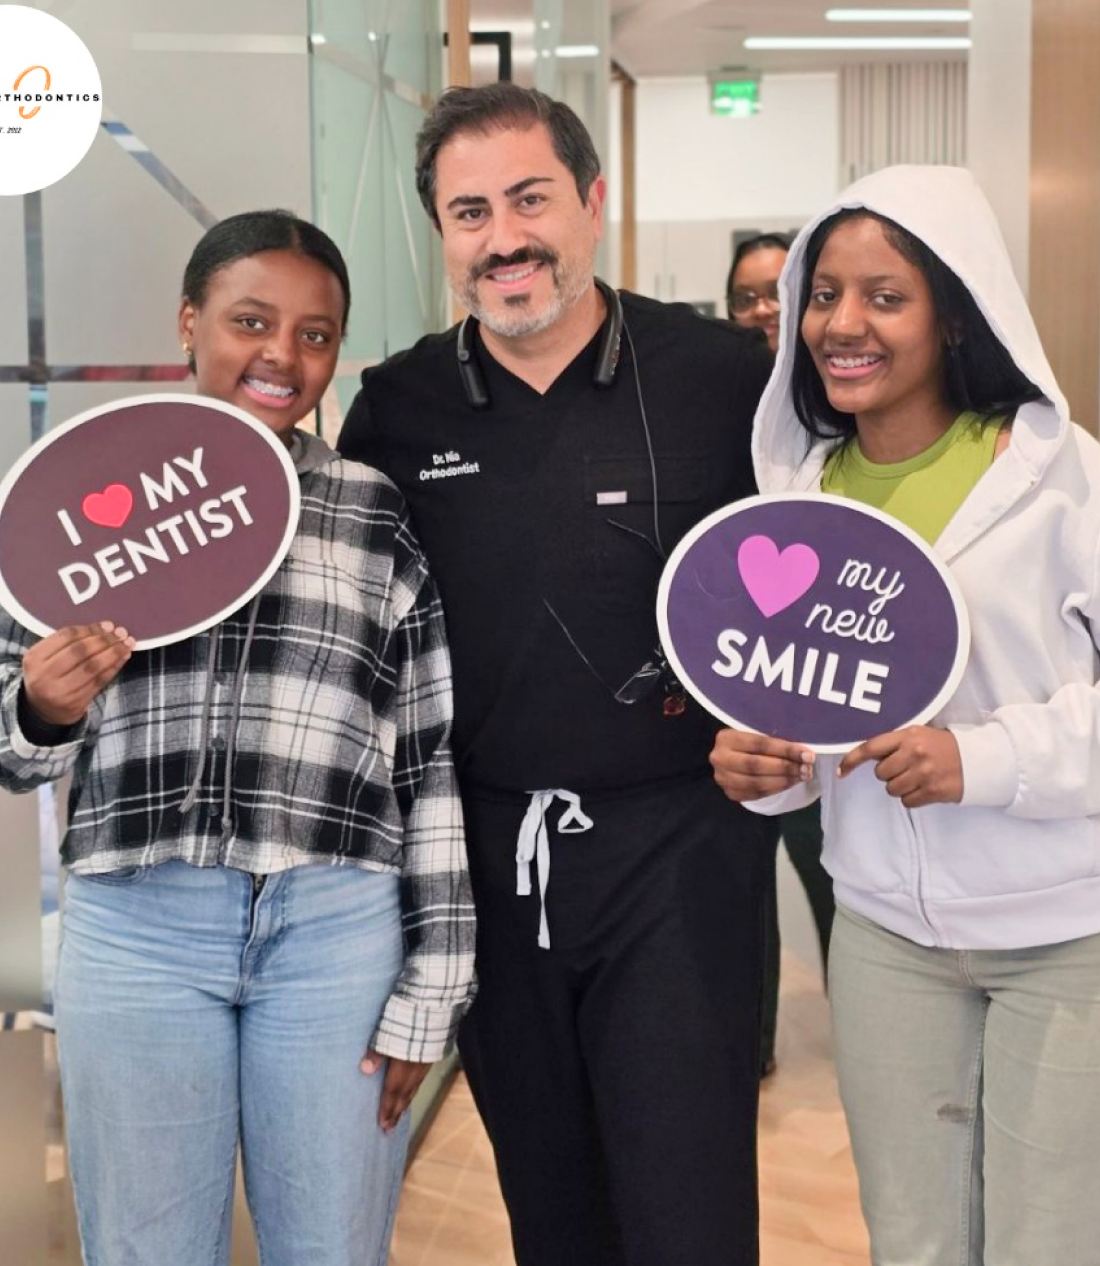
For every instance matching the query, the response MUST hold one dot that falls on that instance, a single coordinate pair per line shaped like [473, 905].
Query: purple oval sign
[812, 618]
[164, 513]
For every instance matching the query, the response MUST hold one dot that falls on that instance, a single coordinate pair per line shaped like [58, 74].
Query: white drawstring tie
[534, 843]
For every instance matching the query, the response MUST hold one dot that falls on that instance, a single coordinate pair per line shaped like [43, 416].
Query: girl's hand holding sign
[65, 671]
[750, 766]
[920, 765]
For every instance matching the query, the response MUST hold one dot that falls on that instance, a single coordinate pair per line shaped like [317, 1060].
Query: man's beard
[517, 320]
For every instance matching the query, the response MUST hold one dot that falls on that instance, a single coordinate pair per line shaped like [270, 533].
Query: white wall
[999, 113]
[700, 176]
[694, 165]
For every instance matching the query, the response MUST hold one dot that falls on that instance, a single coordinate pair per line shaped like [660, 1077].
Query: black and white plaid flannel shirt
[340, 754]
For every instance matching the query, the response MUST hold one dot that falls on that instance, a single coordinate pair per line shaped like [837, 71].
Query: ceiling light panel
[897, 15]
[843, 43]
[577, 50]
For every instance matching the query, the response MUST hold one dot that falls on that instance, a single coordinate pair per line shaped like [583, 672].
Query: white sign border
[962, 655]
[18, 612]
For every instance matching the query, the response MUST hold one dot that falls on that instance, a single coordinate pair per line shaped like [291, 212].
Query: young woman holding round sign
[268, 932]
[965, 962]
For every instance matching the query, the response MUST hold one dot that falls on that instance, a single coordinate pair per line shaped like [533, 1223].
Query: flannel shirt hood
[309, 452]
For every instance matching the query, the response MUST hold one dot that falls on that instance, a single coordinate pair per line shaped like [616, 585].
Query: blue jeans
[195, 1008]
[971, 1083]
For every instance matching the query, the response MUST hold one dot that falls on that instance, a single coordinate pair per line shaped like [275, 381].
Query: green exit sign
[737, 98]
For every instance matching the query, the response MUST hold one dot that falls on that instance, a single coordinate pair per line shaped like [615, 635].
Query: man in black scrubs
[553, 450]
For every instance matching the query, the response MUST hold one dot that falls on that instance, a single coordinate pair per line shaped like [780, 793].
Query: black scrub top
[538, 512]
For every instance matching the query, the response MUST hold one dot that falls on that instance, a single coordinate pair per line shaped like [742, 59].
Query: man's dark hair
[239, 236]
[979, 374]
[502, 106]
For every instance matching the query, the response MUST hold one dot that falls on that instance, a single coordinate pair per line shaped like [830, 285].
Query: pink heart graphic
[109, 508]
[775, 580]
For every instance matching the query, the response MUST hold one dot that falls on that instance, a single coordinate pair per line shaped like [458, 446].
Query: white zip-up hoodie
[1017, 863]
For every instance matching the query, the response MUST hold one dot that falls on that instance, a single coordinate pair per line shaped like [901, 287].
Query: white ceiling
[691, 37]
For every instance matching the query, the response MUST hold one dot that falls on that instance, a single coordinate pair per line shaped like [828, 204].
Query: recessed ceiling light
[870, 43]
[897, 15]
[577, 50]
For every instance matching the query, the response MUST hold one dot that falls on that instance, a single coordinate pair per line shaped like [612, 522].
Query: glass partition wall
[209, 109]
[573, 64]
[376, 67]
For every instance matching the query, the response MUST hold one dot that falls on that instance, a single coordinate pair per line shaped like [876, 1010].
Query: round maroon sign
[163, 513]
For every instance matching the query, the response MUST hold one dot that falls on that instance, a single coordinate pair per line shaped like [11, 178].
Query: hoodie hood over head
[1017, 861]
[945, 208]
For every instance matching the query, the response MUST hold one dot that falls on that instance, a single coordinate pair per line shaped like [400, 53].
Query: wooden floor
[451, 1213]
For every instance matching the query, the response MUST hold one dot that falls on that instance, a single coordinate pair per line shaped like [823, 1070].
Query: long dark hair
[979, 374]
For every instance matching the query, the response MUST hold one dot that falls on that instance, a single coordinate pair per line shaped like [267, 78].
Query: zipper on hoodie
[921, 873]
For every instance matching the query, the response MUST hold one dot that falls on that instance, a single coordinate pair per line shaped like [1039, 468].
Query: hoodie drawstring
[235, 718]
[189, 800]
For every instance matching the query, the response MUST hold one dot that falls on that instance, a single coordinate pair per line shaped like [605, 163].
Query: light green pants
[971, 1083]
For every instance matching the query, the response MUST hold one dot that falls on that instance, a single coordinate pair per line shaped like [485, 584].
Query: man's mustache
[526, 255]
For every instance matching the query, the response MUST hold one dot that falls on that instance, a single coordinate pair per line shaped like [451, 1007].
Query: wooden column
[629, 241]
[1064, 264]
[458, 75]
[458, 43]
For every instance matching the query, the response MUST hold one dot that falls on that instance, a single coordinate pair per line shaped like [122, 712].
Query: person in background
[965, 963]
[752, 300]
[268, 929]
[752, 286]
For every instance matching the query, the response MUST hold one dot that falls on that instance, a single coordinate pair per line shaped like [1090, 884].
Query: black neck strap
[607, 356]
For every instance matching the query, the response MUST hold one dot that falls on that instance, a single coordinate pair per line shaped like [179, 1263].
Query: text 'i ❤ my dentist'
[197, 519]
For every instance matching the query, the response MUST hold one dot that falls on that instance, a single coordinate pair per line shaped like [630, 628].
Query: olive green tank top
[924, 491]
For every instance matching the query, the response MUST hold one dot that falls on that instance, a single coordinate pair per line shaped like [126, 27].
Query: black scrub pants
[617, 1071]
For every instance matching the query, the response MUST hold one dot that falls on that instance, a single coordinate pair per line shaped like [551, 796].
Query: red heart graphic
[109, 508]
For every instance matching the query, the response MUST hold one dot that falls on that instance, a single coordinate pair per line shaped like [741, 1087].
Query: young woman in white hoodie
[965, 962]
